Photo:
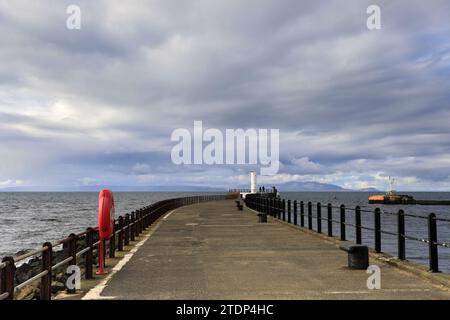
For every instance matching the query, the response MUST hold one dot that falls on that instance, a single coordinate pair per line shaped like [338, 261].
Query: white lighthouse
[253, 182]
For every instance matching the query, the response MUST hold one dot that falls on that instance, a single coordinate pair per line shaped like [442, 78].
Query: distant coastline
[292, 186]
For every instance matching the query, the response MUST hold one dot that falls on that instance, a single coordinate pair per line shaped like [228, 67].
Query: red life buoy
[105, 214]
[105, 224]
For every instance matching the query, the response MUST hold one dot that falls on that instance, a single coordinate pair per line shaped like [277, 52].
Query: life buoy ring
[105, 214]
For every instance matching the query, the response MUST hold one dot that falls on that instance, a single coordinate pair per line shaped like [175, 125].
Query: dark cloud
[99, 104]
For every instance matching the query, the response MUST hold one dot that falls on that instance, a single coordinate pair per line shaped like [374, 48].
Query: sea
[28, 219]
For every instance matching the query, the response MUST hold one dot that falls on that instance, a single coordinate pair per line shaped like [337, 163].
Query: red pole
[101, 258]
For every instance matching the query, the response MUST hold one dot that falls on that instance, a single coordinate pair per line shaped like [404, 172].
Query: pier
[213, 251]
[206, 248]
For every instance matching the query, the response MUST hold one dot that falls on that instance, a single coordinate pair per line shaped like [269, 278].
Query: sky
[97, 106]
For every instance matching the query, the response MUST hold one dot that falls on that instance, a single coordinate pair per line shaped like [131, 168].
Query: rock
[57, 286]
[37, 293]
[35, 262]
[22, 252]
[60, 277]
[23, 273]
[27, 293]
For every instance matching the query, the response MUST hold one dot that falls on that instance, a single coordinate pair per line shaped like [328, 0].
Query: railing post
[289, 211]
[302, 214]
[149, 217]
[309, 215]
[7, 275]
[89, 256]
[112, 242]
[121, 235]
[343, 235]
[358, 224]
[138, 221]
[279, 209]
[330, 219]
[295, 212]
[377, 227]
[127, 229]
[272, 206]
[260, 204]
[283, 207]
[271, 202]
[432, 243]
[72, 252]
[319, 217]
[145, 219]
[401, 235]
[46, 281]
[133, 226]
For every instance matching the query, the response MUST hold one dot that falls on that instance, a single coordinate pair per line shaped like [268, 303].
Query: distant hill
[286, 187]
[308, 186]
[368, 190]
[316, 186]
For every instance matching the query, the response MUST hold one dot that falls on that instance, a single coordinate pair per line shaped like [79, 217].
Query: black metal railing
[280, 209]
[126, 229]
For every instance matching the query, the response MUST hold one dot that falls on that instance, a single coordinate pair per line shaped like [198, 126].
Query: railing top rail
[365, 210]
[30, 254]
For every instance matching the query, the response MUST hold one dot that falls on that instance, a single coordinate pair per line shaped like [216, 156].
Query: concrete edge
[442, 280]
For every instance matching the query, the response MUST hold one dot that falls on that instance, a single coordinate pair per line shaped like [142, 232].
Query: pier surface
[213, 251]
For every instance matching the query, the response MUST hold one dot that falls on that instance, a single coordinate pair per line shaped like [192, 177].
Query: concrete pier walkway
[213, 251]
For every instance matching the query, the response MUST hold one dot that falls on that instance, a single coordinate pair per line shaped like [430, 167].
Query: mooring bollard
[358, 255]
[262, 217]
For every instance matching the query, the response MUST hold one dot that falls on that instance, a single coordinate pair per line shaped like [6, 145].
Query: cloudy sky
[98, 105]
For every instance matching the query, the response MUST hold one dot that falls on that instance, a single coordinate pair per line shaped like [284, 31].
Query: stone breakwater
[33, 266]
